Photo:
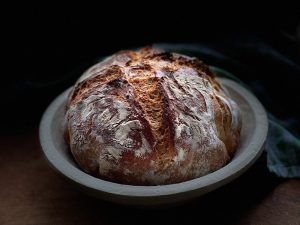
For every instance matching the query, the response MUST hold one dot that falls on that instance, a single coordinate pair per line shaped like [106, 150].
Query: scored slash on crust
[150, 117]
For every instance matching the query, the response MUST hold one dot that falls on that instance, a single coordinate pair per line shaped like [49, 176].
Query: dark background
[47, 48]
[51, 47]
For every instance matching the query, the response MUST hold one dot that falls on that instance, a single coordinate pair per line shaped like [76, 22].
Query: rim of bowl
[216, 178]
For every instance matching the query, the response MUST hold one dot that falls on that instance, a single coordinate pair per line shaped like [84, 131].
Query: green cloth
[283, 150]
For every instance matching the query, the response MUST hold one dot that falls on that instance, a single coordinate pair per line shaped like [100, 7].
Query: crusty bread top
[151, 117]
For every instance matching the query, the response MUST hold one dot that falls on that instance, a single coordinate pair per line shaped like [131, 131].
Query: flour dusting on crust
[149, 118]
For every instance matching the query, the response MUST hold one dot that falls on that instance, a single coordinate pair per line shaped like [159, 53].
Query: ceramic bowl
[253, 137]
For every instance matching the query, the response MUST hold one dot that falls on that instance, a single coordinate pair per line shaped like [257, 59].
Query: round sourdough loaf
[149, 117]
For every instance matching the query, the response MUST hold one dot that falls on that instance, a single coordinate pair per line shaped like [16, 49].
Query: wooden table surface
[32, 193]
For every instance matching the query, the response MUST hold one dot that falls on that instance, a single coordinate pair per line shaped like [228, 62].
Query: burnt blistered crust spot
[152, 117]
[197, 64]
[166, 56]
[142, 66]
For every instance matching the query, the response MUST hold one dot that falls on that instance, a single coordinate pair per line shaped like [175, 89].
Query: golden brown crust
[150, 117]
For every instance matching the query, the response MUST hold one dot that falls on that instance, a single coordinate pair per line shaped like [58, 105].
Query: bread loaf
[149, 117]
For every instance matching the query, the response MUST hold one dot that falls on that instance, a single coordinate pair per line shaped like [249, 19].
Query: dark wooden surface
[32, 193]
